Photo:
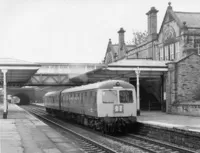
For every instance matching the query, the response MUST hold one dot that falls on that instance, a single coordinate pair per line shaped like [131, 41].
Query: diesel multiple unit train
[109, 106]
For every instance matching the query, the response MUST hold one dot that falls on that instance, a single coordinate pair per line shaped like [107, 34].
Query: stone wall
[190, 108]
[183, 86]
[188, 79]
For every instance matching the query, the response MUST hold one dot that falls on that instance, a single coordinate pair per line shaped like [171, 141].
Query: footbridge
[17, 73]
[59, 74]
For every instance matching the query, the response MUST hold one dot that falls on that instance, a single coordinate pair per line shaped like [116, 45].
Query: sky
[74, 31]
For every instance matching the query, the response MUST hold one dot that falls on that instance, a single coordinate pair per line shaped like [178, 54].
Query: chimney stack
[121, 38]
[152, 23]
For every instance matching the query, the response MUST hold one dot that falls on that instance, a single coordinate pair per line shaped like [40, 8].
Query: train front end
[117, 107]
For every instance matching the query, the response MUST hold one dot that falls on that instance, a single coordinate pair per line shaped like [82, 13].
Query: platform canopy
[122, 69]
[18, 71]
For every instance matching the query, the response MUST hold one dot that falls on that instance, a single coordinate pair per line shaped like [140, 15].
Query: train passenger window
[109, 96]
[79, 97]
[95, 94]
[126, 96]
[82, 95]
[66, 98]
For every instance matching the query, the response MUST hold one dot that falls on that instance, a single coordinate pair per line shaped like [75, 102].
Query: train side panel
[80, 103]
[52, 101]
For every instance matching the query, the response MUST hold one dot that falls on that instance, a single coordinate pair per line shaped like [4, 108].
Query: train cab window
[126, 96]
[109, 96]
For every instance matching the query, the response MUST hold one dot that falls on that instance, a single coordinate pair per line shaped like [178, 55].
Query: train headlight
[117, 84]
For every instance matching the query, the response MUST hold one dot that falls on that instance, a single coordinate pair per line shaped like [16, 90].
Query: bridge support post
[137, 71]
[5, 110]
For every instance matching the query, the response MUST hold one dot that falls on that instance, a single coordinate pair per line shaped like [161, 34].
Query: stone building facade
[178, 42]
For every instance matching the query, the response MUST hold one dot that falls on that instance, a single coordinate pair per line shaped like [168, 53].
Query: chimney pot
[169, 7]
[152, 23]
[121, 38]
[121, 30]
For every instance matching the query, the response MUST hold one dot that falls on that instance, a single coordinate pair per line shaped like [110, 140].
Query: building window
[177, 51]
[171, 51]
[166, 53]
[161, 53]
[157, 53]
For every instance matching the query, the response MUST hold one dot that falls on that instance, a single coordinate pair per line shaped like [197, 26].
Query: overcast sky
[74, 31]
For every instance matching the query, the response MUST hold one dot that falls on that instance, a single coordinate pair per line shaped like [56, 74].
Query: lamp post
[5, 110]
[137, 71]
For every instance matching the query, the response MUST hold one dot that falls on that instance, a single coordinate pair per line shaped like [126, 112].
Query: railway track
[87, 144]
[150, 145]
[144, 143]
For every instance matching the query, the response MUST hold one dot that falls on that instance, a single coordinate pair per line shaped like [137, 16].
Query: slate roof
[115, 47]
[139, 63]
[192, 19]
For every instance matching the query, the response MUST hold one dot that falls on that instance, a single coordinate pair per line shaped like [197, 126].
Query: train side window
[78, 98]
[67, 98]
[95, 94]
[82, 95]
[64, 98]
[72, 97]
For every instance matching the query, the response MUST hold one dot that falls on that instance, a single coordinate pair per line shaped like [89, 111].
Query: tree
[139, 37]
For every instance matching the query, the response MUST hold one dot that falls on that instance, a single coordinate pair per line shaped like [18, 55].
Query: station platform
[21, 132]
[158, 118]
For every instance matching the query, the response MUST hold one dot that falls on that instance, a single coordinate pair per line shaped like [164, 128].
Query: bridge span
[58, 74]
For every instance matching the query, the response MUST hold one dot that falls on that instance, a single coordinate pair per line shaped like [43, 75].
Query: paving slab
[189, 123]
[21, 132]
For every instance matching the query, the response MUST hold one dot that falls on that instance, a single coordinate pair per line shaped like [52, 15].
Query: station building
[178, 44]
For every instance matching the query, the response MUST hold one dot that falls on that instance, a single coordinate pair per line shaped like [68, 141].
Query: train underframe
[107, 125]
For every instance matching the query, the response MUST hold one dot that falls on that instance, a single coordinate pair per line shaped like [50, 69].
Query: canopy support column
[137, 71]
[5, 110]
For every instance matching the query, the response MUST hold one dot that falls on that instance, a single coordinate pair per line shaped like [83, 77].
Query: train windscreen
[126, 96]
[109, 96]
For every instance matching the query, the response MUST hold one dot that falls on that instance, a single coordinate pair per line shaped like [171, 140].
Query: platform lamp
[5, 110]
[137, 71]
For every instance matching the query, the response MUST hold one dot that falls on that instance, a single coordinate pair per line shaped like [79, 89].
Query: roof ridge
[15, 59]
[187, 12]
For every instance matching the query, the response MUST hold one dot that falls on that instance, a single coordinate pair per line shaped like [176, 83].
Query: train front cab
[117, 107]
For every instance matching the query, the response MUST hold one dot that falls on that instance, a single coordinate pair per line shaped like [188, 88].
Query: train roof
[108, 84]
[51, 93]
